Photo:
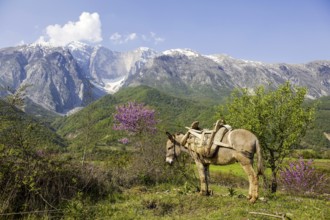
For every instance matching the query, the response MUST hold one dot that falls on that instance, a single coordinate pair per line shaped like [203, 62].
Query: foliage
[17, 126]
[277, 117]
[37, 181]
[147, 165]
[135, 118]
[174, 113]
[315, 137]
[301, 177]
[32, 175]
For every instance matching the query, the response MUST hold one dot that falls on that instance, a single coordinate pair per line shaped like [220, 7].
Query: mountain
[108, 69]
[55, 78]
[63, 79]
[190, 74]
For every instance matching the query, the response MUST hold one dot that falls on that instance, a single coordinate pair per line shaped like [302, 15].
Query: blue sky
[291, 31]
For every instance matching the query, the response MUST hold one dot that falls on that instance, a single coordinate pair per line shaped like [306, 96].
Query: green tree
[277, 117]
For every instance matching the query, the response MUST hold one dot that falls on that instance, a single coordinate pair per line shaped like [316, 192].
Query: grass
[227, 202]
[168, 202]
[229, 186]
[233, 169]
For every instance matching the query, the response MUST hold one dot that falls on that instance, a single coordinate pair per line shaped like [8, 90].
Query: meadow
[167, 201]
[83, 172]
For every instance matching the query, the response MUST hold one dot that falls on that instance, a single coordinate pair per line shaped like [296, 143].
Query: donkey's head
[173, 148]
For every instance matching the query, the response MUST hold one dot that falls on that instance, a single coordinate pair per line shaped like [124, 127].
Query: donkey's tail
[260, 165]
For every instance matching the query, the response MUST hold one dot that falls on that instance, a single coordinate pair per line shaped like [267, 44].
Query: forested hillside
[315, 137]
[173, 113]
[16, 123]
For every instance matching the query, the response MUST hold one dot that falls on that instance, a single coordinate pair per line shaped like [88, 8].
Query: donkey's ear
[169, 136]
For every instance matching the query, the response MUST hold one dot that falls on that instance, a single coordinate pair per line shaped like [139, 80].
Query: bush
[302, 178]
[306, 153]
[146, 166]
[42, 182]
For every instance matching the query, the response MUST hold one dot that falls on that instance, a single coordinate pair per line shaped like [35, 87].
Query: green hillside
[173, 113]
[315, 137]
[29, 130]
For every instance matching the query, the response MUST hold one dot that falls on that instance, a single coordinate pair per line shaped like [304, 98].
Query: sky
[271, 31]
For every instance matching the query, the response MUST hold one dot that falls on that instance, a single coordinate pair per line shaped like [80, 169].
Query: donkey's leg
[253, 182]
[207, 167]
[203, 176]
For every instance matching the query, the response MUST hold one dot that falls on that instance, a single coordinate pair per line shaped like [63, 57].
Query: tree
[277, 117]
[135, 118]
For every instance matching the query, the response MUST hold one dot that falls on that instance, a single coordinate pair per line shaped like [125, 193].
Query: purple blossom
[135, 118]
[300, 177]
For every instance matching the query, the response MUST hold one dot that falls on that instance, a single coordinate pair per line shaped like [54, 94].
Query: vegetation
[97, 174]
[33, 176]
[170, 202]
[315, 137]
[101, 113]
[16, 125]
[277, 117]
[301, 177]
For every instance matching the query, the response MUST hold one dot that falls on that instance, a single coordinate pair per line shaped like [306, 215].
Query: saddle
[204, 141]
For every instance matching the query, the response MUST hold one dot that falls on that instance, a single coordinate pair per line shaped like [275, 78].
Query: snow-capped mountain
[108, 69]
[61, 78]
[55, 78]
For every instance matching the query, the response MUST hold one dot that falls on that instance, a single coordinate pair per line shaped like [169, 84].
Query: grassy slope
[174, 114]
[315, 137]
[31, 128]
[181, 202]
[172, 203]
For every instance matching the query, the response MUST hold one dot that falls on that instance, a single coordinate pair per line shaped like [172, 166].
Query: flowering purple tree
[135, 119]
[301, 177]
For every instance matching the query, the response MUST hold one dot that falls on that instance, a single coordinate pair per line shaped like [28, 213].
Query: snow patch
[111, 86]
[186, 52]
[77, 45]
[219, 58]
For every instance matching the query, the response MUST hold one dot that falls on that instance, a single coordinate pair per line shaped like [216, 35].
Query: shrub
[135, 118]
[147, 166]
[147, 163]
[301, 177]
[39, 181]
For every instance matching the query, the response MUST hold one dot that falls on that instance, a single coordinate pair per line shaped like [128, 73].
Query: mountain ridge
[65, 78]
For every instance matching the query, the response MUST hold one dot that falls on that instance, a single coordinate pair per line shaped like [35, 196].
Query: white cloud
[87, 29]
[155, 38]
[131, 36]
[118, 38]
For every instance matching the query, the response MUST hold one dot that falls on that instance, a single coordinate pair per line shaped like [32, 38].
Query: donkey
[242, 146]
